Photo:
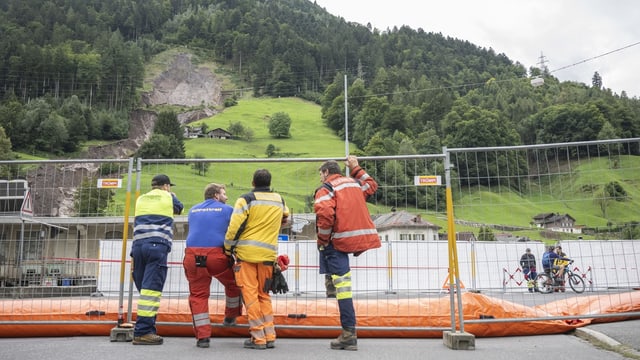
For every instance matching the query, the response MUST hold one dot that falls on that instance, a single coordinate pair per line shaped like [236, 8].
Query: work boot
[229, 321]
[346, 341]
[147, 339]
[271, 344]
[250, 344]
[203, 343]
[329, 286]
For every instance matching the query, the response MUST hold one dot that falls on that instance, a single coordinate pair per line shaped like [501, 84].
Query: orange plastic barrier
[432, 312]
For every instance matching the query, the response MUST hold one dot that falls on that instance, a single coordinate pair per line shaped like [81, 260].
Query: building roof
[543, 216]
[551, 218]
[219, 130]
[402, 219]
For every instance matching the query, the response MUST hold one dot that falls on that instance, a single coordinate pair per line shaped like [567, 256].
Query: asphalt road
[617, 340]
[620, 336]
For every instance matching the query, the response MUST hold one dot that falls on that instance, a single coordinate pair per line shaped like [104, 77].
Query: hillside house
[219, 133]
[557, 222]
[402, 225]
[192, 132]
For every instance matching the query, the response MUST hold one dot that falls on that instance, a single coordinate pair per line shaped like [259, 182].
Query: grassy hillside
[311, 139]
[295, 181]
[573, 193]
[309, 136]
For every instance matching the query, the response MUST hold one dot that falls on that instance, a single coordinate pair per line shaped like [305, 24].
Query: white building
[402, 225]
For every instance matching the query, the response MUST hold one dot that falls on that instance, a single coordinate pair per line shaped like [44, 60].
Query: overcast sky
[566, 32]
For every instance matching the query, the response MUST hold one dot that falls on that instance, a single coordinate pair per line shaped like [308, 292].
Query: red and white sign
[109, 183]
[27, 204]
[427, 180]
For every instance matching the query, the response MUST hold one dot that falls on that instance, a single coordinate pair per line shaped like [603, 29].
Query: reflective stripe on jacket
[342, 216]
[263, 211]
[154, 217]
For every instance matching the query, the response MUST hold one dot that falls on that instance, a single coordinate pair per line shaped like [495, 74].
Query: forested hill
[74, 68]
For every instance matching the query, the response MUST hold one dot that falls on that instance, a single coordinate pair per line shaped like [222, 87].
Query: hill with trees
[76, 65]
[74, 72]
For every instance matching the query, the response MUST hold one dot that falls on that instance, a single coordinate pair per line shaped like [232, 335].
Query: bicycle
[549, 283]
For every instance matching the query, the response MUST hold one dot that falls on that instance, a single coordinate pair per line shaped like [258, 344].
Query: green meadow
[310, 138]
[572, 193]
[296, 181]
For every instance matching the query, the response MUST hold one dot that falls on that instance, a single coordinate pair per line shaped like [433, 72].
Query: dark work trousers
[149, 274]
[336, 263]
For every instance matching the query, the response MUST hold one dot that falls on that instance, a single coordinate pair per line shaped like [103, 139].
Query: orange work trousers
[251, 278]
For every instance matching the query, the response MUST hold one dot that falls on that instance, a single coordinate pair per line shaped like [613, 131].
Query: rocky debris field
[181, 84]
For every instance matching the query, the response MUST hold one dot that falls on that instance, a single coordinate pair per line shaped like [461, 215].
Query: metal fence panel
[72, 245]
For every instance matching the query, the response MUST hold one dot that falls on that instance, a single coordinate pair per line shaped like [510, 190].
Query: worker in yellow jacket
[252, 240]
[152, 240]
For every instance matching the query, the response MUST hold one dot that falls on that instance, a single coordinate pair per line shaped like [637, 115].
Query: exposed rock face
[140, 128]
[184, 84]
[54, 186]
[191, 116]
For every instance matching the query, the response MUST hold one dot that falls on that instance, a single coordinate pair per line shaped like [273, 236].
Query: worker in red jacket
[344, 227]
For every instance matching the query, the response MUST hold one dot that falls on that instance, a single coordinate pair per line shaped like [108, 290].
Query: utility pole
[346, 120]
[542, 63]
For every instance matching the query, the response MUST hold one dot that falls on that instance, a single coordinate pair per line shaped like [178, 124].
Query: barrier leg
[389, 269]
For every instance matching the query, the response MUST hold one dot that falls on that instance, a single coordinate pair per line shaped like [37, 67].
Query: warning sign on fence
[27, 204]
[427, 180]
[445, 284]
[109, 183]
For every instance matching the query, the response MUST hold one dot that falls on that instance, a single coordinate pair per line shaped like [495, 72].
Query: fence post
[504, 281]
[124, 330]
[389, 269]
[296, 271]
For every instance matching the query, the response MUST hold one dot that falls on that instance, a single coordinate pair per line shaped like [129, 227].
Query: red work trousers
[217, 266]
[251, 278]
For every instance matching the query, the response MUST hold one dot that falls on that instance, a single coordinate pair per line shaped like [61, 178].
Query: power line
[542, 62]
[595, 57]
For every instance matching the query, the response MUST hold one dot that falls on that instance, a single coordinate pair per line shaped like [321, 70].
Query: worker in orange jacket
[344, 227]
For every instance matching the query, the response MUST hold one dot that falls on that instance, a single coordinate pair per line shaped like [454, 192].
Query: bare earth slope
[182, 84]
[186, 85]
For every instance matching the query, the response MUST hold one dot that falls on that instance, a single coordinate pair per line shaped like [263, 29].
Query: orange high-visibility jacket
[342, 217]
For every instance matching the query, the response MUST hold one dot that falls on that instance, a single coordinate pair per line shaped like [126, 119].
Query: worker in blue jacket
[152, 239]
[204, 259]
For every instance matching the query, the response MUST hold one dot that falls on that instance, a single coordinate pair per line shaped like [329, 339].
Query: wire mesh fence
[66, 241]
